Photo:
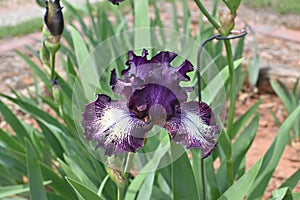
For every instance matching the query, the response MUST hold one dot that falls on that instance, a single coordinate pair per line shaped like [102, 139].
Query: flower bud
[45, 55]
[56, 92]
[226, 20]
[45, 58]
[116, 176]
[53, 19]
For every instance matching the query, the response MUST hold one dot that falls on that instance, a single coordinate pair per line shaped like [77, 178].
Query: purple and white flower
[152, 96]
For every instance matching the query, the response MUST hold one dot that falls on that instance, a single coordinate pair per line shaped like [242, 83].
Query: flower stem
[53, 66]
[129, 160]
[232, 88]
[207, 15]
[231, 108]
[120, 193]
[126, 171]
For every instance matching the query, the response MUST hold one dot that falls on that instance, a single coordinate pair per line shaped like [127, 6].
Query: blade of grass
[8, 191]
[37, 190]
[238, 124]
[58, 184]
[242, 187]
[183, 173]
[141, 20]
[273, 155]
[292, 181]
[243, 143]
[14, 122]
[82, 190]
[146, 188]
[36, 112]
[150, 166]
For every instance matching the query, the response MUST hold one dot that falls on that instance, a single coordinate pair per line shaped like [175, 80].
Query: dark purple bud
[53, 17]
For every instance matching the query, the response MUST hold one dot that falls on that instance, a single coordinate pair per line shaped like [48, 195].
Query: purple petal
[154, 94]
[164, 57]
[184, 68]
[194, 127]
[113, 127]
[159, 70]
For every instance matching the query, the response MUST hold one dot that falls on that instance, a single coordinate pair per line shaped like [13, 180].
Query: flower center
[154, 103]
[157, 114]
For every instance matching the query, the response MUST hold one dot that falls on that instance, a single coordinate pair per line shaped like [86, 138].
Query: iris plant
[152, 96]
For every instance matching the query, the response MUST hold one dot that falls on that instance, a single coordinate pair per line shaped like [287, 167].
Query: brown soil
[290, 161]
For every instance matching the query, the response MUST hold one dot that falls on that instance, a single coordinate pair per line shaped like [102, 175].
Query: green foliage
[58, 166]
[282, 7]
[25, 27]
[290, 99]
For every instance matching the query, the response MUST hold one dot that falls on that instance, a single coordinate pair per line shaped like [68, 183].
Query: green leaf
[292, 181]
[141, 14]
[243, 143]
[296, 195]
[242, 121]
[242, 187]
[277, 121]
[196, 164]
[184, 183]
[284, 98]
[11, 141]
[225, 143]
[35, 68]
[146, 188]
[186, 17]
[273, 155]
[232, 5]
[41, 3]
[58, 184]
[52, 140]
[150, 166]
[158, 194]
[253, 68]
[15, 189]
[83, 191]
[211, 179]
[80, 48]
[282, 194]
[36, 112]
[11, 162]
[141, 20]
[80, 171]
[176, 25]
[14, 122]
[102, 185]
[37, 190]
[214, 87]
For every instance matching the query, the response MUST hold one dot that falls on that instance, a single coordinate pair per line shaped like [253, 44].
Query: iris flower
[152, 96]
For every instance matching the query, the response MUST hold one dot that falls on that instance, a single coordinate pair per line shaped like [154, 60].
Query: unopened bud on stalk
[56, 92]
[45, 58]
[53, 20]
[227, 23]
[116, 176]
